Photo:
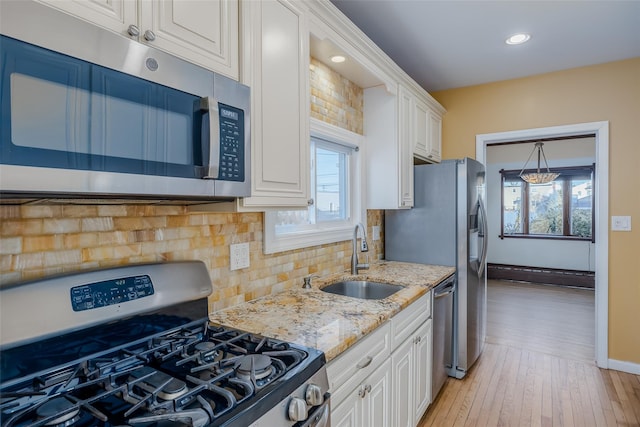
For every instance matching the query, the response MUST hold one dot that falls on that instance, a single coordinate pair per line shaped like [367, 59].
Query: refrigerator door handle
[483, 257]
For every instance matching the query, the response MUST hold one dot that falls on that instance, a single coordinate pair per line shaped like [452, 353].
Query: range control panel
[110, 292]
[231, 143]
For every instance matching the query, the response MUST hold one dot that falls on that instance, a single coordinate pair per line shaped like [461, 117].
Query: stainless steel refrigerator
[447, 226]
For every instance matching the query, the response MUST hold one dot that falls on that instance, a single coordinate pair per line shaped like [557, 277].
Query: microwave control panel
[231, 143]
[110, 292]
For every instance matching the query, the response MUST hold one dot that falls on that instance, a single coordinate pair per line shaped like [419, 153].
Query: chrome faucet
[364, 247]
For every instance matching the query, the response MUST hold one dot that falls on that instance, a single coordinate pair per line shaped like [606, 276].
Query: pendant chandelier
[538, 177]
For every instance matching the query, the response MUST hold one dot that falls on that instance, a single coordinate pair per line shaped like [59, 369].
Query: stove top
[153, 369]
[196, 375]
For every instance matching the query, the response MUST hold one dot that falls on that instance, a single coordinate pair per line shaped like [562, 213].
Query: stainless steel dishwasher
[442, 333]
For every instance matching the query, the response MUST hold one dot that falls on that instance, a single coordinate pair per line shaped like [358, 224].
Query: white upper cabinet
[426, 130]
[420, 129]
[202, 32]
[389, 148]
[276, 67]
[434, 133]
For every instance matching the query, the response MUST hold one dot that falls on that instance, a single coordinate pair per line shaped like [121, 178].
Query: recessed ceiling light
[518, 38]
[338, 59]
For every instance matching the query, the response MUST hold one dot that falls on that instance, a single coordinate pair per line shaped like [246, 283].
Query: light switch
[238, 256]
[376, 232]
[620, 223]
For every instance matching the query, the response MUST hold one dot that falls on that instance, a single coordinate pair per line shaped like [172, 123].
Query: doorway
[600, 209]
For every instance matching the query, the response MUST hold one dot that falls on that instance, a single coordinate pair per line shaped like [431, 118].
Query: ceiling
[449, 44]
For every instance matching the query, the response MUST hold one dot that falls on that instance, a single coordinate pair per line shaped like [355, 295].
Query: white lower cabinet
[369, 404]
[411, 373]
[385, 379]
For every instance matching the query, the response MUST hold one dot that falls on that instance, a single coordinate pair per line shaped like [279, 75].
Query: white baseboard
[619, 365]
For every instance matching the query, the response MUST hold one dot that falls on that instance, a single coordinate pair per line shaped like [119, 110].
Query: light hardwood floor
[537, 368]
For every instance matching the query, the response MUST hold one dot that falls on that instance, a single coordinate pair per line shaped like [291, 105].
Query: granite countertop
[329, 322]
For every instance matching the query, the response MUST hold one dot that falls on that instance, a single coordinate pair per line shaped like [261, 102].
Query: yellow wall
[606, 92]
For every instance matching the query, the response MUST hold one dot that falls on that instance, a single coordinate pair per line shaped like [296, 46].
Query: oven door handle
[212, 166]
[320, 415]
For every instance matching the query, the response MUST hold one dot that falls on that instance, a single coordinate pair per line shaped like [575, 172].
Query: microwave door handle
[212, 165]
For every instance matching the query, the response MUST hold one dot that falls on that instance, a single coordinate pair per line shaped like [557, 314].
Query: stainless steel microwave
[88, 112]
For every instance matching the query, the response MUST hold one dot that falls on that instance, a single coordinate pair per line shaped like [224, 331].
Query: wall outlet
[375, 232]
[238, 256]
[620, 223]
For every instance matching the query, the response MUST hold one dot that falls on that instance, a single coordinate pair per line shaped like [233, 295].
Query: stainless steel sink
[362, 289]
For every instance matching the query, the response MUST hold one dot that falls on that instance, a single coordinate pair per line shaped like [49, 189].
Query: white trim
[620, 365]
[327, 232]
[601, 131]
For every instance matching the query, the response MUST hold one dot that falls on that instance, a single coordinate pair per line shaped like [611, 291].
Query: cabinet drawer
[354, 365]
[408, 320]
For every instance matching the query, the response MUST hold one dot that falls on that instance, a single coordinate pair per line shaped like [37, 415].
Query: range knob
[313, 395]
[297, 409]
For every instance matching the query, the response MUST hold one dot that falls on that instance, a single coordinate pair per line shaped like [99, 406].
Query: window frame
[565, 173]
[325, 232]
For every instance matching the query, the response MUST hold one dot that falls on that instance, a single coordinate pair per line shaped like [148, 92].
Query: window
[334, 189]
[562, 208]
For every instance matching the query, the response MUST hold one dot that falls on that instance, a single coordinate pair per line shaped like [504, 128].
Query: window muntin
[560, 209]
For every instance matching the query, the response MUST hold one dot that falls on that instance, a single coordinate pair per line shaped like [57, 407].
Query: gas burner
[206, 352]
[58, 412]
[163, 385]
[205, 346]
[256, 365]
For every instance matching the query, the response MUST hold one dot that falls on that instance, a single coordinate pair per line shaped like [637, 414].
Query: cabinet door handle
[149, 36]
[133, 30]
[366, 362]
[362, 392]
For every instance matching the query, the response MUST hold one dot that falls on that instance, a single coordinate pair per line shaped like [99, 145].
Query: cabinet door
[422, 368]
[202, 32]
[114, 15]
[405, 149]
[376, 410]
[434, 146]
[402, 366]
[278, 73]
[420, 128]
[348, 413]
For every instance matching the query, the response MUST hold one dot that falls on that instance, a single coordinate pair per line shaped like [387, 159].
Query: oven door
[320, 416]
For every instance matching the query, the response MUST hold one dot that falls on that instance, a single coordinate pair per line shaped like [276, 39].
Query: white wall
[565, 254]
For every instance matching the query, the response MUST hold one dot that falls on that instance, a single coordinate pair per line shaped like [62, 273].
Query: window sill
[307, 238]
[540, 236]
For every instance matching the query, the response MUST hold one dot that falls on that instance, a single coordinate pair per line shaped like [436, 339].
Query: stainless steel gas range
[132, 346]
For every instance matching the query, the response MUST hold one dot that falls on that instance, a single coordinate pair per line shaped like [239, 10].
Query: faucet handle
[307, 281]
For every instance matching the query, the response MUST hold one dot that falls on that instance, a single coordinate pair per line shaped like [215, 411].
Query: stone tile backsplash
[37, 241]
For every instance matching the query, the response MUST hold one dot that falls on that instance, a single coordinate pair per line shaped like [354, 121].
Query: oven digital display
[110, 292]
